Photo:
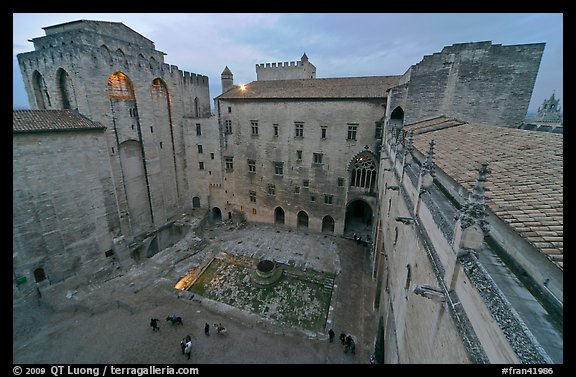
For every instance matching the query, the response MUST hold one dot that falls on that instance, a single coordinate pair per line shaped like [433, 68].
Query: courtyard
[108, 322]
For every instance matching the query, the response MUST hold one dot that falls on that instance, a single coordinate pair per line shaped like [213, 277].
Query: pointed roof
[304, 58]
[227, 71]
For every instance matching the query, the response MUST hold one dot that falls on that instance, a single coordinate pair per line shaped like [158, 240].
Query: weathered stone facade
[479, 82]
[323, 155]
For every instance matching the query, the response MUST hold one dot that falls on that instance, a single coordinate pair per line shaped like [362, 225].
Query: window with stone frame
[278, 168]
[229, 163]
[253, 196]
[299, 129]
[251, 166]
[254, 127]
[228, 126]
[352, 129]
[271, 189]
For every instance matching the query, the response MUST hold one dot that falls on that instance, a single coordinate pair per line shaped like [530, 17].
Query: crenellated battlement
[279, 65]
[290, 70]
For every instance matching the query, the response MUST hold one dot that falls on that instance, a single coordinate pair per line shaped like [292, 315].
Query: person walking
[188, 348]
[206, 329]
[154, 324]
[183, 345]
[331, 335]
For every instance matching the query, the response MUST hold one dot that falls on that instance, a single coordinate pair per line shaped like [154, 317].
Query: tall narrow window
[199, 149]
[275, 129]
[299, 155]
[352, 128]
[201, 165]
[318, 158]
[228, 126]
[252, 166]
[278, 168]
[211, 156]
[229, 163]
[253, 196]
[323, 132]
[198, 129]
[254, 125]
[299, 127]
[271, 189]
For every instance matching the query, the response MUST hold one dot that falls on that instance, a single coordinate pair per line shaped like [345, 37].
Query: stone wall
[291, 193]
[479, 82]
[64, 219]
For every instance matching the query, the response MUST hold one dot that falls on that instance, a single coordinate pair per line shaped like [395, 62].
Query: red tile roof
[51, 120]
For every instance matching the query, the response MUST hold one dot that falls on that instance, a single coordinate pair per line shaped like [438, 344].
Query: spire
[304, 58]
[474, 210]
[429, 166]
[227, 72]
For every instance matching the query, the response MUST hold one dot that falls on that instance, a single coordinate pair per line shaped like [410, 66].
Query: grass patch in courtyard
[299, 298]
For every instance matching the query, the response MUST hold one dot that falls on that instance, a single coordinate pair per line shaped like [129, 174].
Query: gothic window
[363, 174]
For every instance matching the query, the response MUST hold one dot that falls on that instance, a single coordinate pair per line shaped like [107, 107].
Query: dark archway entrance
[302, 220]
[278, 215]
[195, 202]
[39, 275]
[358, 219]
[327, 224]
[216, 214]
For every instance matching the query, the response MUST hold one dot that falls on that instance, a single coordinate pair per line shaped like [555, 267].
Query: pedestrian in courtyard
[343, 338]
[183, 345]
[188, 348]
[331, 335]
[206, 329]
[154, 324]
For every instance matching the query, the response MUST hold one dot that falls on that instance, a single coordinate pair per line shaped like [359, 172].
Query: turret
[227, 80]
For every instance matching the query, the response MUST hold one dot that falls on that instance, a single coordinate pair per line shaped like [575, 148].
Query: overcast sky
[338, 44]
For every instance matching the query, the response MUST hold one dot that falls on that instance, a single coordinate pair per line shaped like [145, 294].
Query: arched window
[363, 173]
[40, 91]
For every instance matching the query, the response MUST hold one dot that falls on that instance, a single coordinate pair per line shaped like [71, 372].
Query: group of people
[186, 342]
[186, 345]
[346, 340]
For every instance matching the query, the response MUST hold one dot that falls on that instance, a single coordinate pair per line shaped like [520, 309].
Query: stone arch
[363, 172]
[153, 63]
[106, 54]
[121, 57]
[135, 185]
[328, 224]
[195, 202]
[279, 215]
[162, 113]
[41, 94]
[120, 87]
[397, 118]
[358, 218]
[66, 90]
[216, 214]
[302, 222]
[39, 274]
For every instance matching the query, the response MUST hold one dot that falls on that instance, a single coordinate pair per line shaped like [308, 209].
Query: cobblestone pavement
[109, 322]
